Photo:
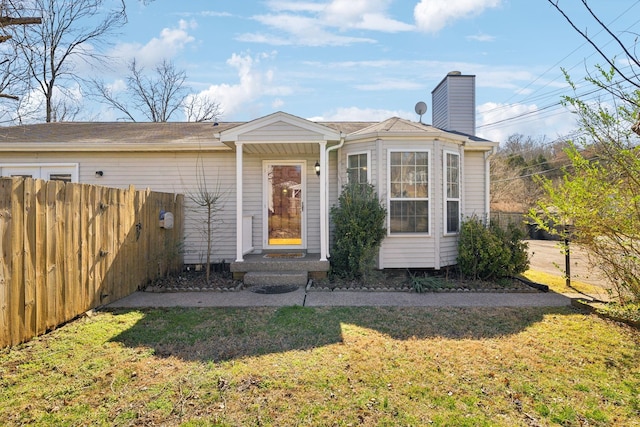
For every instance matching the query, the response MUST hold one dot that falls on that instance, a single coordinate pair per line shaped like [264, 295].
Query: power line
[557, 92]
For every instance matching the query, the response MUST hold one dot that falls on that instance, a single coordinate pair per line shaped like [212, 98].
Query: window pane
[422, 158]
[422, 174]
[453, 216]
[453, 176]
[363, 175]
[64, 177]
[357, 168]
[409, 216]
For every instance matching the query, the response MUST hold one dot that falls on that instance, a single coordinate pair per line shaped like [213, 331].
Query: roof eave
[110, 147]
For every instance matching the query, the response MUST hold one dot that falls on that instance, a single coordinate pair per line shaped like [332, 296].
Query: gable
[279, 127]
[281, 131]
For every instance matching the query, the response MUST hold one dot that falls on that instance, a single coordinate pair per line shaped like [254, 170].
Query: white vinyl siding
[474, 181]
[409, 252]
[408, 191]
[165, 172]
[452, 192]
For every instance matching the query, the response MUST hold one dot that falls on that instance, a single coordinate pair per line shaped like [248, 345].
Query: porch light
[317, 168]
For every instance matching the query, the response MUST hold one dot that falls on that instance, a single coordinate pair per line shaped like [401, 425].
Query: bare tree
[158, 97]
[71, 33]
[10, 74]
[201, 108]
[630, 73]
[209, 202]
[10, 79]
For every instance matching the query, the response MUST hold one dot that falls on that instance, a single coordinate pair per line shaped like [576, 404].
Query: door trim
[266, 187]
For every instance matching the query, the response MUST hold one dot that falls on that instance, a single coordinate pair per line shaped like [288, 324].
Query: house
[280, 174]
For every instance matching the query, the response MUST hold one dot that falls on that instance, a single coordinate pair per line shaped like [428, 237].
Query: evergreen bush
[491, 253]
[359, 229]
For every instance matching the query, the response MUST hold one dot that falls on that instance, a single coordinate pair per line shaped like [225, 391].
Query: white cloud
[433, 15]
[295, 6]
[481, 37]
[212, 13]
[254, 83]
[362, 14]
[312, 24]
[299, 30]
[168, 44]
[277, 103]
[391, 84]
[118, 85]
[362, 114]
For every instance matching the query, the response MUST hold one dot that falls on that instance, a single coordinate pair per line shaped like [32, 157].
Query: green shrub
[491, 253]
[359, 229]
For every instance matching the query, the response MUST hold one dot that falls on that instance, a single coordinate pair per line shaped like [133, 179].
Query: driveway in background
[547, 256]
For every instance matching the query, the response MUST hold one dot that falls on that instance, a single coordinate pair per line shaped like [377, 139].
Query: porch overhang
[281, 135]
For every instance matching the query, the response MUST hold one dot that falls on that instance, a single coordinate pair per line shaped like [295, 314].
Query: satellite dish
[421, 108]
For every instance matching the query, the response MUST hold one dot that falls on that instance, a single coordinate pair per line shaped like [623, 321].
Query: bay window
[408, 192]
[452, 192]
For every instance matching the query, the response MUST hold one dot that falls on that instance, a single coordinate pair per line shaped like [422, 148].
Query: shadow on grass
[220, 334]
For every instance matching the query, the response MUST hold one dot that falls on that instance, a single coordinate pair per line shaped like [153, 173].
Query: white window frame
[428, 198]
[44, 170]
[359, 153]
[445, 195]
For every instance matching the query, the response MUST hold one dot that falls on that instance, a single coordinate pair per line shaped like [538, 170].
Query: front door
[284, 191]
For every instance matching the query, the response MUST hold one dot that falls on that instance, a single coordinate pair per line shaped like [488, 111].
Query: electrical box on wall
[166, 220]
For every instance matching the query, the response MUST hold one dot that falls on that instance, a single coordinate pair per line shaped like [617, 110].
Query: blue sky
[374, 59]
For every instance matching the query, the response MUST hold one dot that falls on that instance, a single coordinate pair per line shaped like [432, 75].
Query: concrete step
[273, 278]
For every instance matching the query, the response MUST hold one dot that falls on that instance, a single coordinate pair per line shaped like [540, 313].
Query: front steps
[256, 270]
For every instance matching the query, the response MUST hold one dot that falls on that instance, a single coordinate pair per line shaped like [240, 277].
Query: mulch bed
[222, 281]
[191, 280]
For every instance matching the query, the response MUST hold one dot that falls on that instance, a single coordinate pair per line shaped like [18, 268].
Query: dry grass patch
[558, 284]
[327, 366]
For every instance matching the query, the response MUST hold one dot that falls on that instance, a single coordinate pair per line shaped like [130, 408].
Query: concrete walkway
[545, 256]
[246, 298]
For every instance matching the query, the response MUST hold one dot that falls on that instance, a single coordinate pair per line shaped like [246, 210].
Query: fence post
[6, 224]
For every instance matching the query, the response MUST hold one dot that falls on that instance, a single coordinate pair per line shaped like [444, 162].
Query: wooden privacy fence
[68, 248]
[503, 219]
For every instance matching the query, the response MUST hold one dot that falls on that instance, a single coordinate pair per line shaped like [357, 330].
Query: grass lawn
[327, 366]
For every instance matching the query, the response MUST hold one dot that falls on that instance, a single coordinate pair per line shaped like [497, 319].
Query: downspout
[325, 173]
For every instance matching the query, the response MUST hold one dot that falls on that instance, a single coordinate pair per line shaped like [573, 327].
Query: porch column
[324, 205]
[239, 205]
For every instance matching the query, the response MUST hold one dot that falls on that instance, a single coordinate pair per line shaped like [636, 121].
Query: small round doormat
[276, 289]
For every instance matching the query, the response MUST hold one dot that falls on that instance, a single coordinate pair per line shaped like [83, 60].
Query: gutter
[108, 147]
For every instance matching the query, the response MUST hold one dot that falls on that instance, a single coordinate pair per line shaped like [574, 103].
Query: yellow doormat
[286, 255]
